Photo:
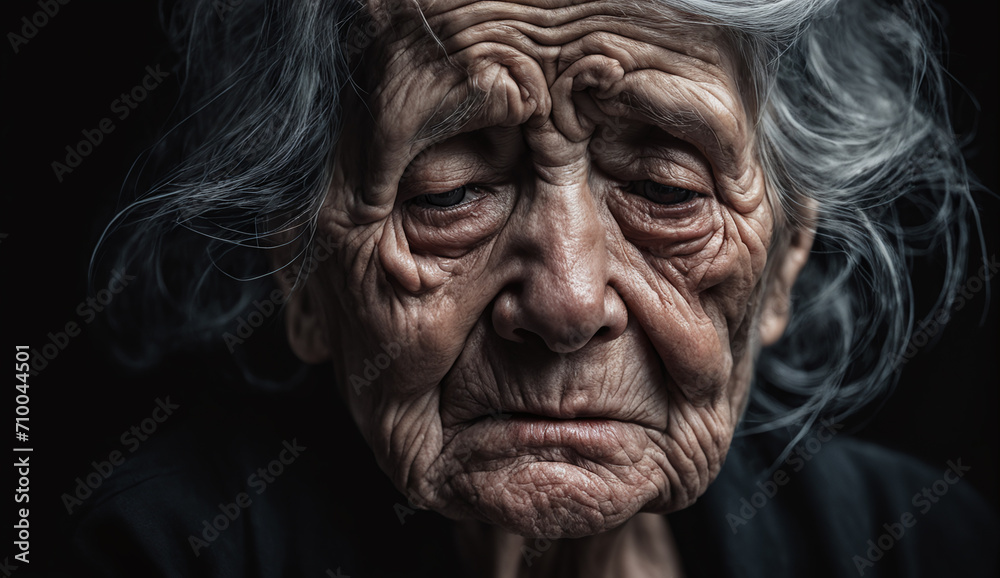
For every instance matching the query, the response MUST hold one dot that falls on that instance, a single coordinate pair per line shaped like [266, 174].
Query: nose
[561, 291]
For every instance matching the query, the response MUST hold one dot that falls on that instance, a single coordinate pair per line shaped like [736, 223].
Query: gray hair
[851, 117]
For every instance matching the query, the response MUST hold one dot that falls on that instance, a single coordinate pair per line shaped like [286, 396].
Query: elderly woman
[556, 255]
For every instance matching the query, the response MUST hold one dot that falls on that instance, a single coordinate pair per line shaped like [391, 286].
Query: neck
[643, 546]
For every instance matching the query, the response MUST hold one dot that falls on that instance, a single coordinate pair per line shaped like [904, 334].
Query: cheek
[694, 291]
[392, 347]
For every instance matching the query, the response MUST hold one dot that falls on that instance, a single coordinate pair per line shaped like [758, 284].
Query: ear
[777, 303]
[305, 321]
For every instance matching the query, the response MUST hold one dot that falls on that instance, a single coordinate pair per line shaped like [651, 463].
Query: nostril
[602, 331]
[524, 335]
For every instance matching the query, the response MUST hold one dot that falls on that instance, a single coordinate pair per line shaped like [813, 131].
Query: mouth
[500, 435]
[529, 430]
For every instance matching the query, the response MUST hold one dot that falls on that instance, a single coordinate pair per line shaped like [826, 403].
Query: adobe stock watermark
[131, 439]
[6, 568]
[536, 549]
[803, 452]
[402, 511]
[122, 107]
[374, 367]
[935, 323]
[88, 310]
[263, 310]
[923, 501]
[31, 25]
[259, 481]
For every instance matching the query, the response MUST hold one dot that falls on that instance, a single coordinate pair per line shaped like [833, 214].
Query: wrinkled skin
[575, 339]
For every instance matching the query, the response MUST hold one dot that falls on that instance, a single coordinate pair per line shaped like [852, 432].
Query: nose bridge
[563, 300]
[567, 235]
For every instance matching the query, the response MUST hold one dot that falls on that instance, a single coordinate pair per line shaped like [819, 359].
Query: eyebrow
[688, 123]
[447, 122]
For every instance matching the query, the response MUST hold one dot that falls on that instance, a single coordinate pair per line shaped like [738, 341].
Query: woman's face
[548, 284]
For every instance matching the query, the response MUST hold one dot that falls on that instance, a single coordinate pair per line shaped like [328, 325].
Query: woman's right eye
[443, 200]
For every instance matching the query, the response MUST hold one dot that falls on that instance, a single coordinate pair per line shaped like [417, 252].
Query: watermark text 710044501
[22, 455]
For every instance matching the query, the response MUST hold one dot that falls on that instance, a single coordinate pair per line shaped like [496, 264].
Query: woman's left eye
[443, 200]
[662, 194]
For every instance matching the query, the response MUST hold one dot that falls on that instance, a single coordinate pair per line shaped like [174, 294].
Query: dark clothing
[850, 509]
[237, 497]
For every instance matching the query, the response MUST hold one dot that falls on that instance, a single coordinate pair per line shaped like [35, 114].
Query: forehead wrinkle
[648, 21]
[510, 33]
[453, 22]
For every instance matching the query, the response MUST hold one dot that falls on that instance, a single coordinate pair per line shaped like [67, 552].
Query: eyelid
[413, 186]
[474, 192]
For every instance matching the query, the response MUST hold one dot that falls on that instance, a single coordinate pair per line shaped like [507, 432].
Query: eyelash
[640, 188]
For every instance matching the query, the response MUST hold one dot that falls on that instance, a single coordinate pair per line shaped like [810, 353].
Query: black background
[64, 81]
